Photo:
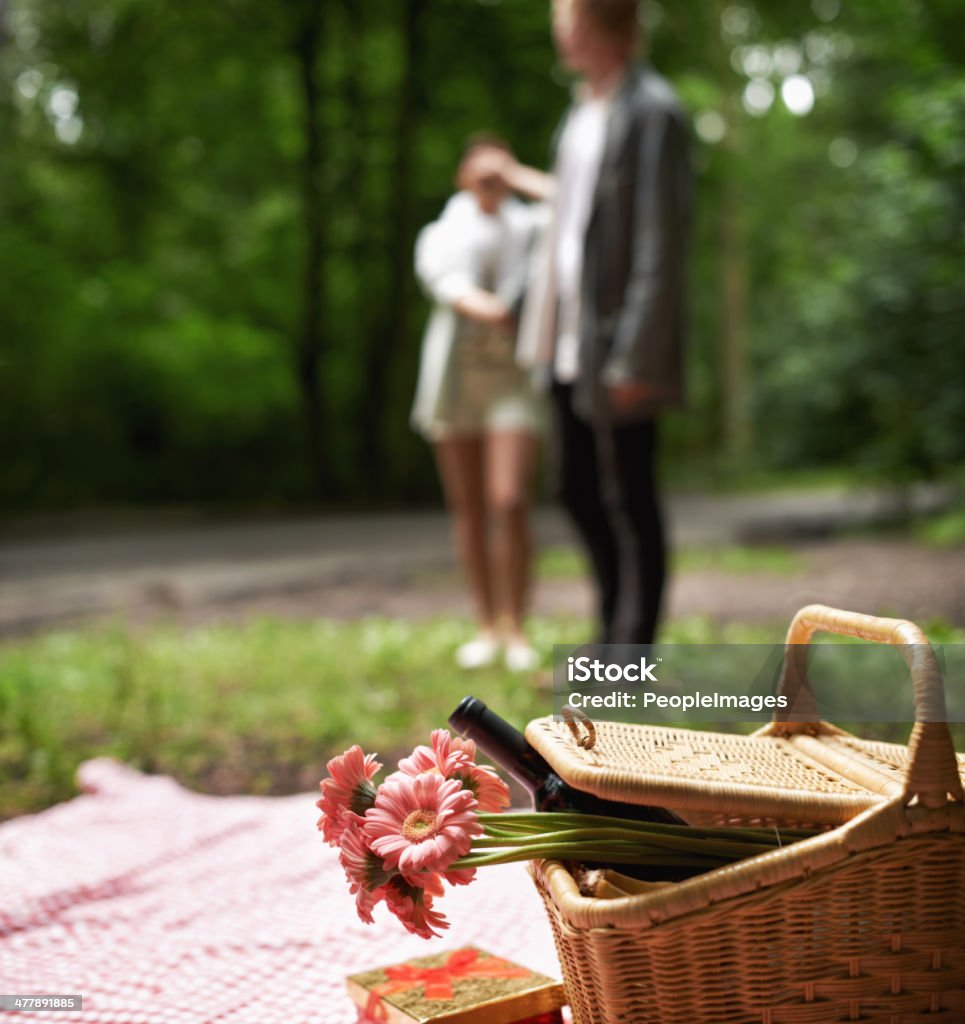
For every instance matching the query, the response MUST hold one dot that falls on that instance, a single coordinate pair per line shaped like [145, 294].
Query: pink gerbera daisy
[421, 823]
[410, 900]
[446, 755]
[363, 869]
[432, 882]
[412, 905]
[348, 791]
[454, 758]
[487, 787]
[463, 876]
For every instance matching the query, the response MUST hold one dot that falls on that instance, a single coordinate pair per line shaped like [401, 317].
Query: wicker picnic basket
[865, 921]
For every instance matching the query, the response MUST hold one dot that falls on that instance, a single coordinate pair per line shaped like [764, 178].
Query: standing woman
[473, 403]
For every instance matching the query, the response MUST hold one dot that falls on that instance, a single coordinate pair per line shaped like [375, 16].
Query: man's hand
[483, 162]
[626, 396]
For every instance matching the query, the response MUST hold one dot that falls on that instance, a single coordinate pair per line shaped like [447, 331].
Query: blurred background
[209, 333]
[208, 213]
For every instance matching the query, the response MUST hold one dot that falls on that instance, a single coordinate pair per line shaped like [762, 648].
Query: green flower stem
[537, 822]
[571, 835]
[603, 837]
[632, 855]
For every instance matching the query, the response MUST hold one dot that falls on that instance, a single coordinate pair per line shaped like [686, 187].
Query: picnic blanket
[163, 906]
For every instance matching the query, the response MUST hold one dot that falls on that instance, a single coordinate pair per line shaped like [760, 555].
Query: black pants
[605, 480]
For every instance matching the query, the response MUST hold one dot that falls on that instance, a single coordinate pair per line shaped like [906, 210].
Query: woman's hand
[485, 308]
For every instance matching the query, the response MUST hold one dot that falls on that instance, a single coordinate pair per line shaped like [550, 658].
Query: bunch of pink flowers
[437, 819]
[399, 840]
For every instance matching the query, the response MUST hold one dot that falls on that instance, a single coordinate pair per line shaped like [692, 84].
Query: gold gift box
[465, 986]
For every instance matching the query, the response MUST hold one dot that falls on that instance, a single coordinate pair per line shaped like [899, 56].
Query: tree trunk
[311, 337]
[390, 331]
[735, 421]
[733, 326]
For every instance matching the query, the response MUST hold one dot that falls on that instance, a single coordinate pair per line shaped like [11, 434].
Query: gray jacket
[632, 318]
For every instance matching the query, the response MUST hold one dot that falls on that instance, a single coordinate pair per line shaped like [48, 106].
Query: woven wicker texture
[879, 939]
[890, 759]
[863, 922]
[704, 775]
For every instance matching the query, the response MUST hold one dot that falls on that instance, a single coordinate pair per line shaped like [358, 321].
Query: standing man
[604, 321]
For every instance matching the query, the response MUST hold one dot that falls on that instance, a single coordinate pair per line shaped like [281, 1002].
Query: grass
[724, 477]
[741, 560]
[736, 559]
[256, 707]
[944, 531]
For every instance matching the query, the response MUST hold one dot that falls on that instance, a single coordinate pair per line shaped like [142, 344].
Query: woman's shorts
[486, 400]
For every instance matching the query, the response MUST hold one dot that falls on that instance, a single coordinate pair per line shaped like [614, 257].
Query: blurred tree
[856, 357]
[307, 41]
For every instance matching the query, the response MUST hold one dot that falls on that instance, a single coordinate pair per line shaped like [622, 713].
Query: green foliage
[856, 354]
[945, 531]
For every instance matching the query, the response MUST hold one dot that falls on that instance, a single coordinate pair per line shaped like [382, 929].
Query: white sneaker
[477, 653]
[520, 657]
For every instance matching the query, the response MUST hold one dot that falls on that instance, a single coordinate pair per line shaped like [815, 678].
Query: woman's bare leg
[461, 464]
[510, 462]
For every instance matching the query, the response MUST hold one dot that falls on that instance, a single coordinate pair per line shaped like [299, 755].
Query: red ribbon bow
[464, 963]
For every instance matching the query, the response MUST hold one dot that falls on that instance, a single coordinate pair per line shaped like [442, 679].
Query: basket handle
[933, 769]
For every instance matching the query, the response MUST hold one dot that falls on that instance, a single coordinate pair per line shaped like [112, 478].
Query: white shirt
[578, 168]
[467, 248]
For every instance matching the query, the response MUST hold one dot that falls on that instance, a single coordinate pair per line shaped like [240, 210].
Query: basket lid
[764, 779]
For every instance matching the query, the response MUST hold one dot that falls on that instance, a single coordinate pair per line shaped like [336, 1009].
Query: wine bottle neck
[507, 746]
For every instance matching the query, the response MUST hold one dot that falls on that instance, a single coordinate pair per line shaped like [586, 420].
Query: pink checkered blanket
[163, 906]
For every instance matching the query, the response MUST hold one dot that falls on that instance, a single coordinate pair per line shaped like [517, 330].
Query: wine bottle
[510, 749]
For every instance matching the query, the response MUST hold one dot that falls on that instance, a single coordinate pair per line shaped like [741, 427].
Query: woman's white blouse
[463, 249]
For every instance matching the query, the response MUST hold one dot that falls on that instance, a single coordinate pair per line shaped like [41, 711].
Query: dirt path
[401, 565]
[883, 576]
